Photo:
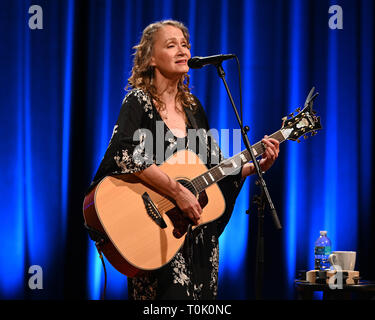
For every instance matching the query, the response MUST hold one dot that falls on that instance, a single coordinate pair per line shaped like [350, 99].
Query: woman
[160, 94]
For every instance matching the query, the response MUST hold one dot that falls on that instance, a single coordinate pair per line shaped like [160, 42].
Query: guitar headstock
[304, 122]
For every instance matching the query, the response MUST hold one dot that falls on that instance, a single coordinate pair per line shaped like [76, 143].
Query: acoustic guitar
[143, 229]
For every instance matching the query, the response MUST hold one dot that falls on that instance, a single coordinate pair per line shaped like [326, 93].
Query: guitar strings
[201, 182]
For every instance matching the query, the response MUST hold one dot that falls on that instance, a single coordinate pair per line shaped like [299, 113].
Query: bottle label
[323, 251]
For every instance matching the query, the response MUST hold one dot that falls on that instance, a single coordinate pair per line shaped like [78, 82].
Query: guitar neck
[232, 165]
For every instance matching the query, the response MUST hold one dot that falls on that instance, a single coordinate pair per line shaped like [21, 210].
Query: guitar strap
[95, 235]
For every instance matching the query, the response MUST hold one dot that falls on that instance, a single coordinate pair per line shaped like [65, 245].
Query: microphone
[199, 62]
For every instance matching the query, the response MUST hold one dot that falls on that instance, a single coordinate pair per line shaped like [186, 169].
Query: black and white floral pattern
[127, 163]
[144, 288]
[145, 100]
[214, 259]
[180, 272]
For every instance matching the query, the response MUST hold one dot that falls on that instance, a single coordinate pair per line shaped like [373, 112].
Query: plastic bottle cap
[323, 233]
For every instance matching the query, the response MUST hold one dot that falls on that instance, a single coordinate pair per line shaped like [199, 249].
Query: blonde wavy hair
[143, 74]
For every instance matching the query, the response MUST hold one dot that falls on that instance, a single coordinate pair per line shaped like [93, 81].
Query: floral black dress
[193, 272]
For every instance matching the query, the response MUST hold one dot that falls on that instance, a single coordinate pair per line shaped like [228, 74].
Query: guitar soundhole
[179, 220]
[188, 185]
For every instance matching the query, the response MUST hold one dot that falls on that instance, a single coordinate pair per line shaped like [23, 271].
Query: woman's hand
[271, 153]
[188, 204]
[268, 158]
[185, 200]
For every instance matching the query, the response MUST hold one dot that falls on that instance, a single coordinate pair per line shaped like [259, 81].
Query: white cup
[343, 259]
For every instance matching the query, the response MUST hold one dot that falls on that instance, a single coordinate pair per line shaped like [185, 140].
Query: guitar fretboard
[231, 165]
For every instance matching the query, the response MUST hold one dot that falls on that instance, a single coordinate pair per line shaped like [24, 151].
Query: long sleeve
[130, 147]
[130, 137]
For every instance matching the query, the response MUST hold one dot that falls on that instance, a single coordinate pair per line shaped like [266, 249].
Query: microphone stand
[260, 200]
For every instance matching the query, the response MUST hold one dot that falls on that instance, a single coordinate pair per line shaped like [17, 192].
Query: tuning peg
[298, 110]
[291, 115]
[313, 133]
[284, 118]
[305, 136]
[298, 140]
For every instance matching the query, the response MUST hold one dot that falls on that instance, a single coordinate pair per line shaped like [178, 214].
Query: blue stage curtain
[61, 91]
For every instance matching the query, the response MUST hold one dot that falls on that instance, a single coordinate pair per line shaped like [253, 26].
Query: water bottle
[322, 251]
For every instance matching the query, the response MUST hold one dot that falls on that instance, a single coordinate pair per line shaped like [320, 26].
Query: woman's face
[170, 53]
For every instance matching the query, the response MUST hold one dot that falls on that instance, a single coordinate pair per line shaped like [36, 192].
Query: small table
[363, 290]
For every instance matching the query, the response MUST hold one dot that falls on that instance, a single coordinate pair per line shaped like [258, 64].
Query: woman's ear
[152, 62]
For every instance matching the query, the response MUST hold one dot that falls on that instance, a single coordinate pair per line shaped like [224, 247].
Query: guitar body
[137, 243]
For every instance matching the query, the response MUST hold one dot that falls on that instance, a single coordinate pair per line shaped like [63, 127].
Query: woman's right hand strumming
[188, 204]
[185, 200]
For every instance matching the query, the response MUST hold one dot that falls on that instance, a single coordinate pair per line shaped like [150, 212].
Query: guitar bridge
[153, 212]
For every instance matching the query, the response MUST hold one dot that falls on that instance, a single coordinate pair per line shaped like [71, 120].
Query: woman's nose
[181, 50]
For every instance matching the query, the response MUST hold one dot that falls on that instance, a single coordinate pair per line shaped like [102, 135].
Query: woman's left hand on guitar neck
[268, 158]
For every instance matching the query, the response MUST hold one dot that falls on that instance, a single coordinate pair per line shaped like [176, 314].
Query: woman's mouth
[182, 61]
